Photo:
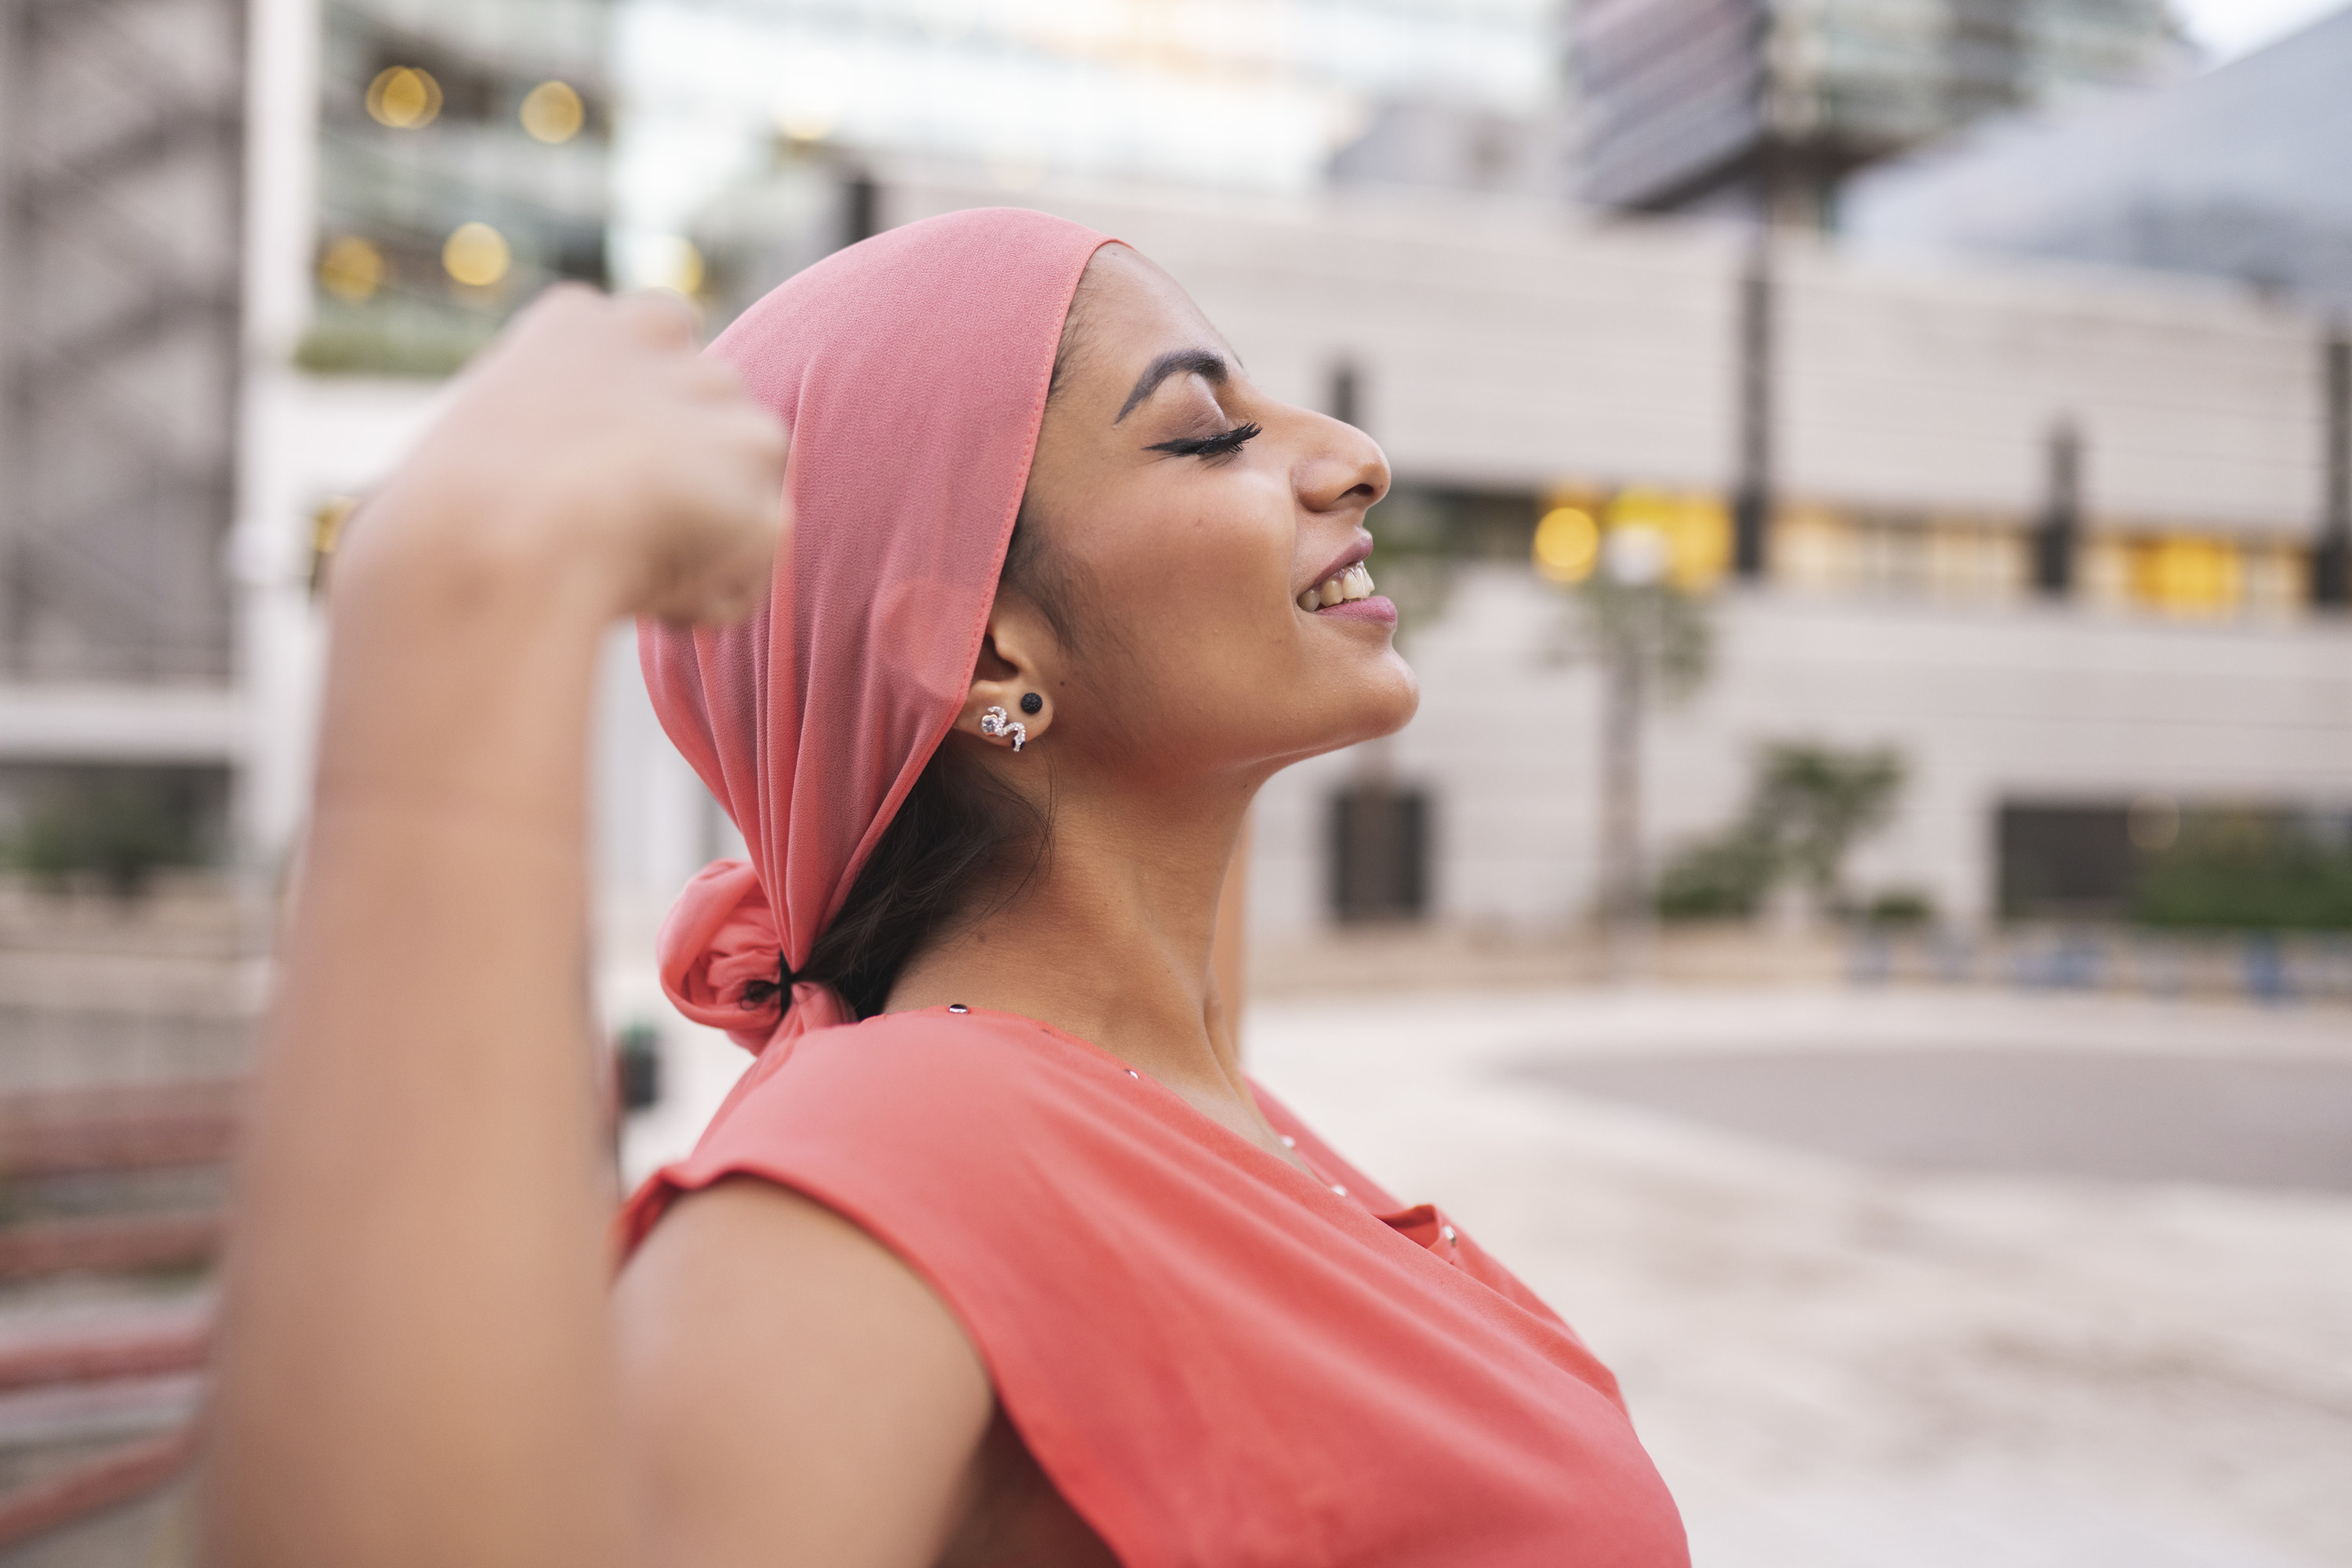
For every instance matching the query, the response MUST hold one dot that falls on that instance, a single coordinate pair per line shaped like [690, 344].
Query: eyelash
[1223, 444]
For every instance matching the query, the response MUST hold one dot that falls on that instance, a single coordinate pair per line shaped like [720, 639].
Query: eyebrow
[1206, 363]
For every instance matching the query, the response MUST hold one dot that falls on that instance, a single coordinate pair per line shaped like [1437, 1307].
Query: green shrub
[1807, 808]
[1899, 906]
[120, 824]
[1724, 877]
[2246, 870]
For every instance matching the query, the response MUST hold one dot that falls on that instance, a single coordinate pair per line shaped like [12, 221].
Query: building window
[2188, 574]
[1379, 846]
[2065, 862]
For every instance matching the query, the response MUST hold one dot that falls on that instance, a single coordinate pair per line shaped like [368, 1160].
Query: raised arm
[414, 1364]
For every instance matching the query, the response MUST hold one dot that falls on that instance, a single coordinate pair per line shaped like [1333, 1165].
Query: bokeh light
[1696, 528]
[352, 270]
[675, 262]
[2188, 574]
[404, 98]
[476, 255]
[1638, 555]
[1568, 541]
[552, 112]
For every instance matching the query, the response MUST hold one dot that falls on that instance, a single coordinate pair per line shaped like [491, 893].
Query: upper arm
[793, 1392]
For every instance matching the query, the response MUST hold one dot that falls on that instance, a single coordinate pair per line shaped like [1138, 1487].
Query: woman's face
[1187, 518]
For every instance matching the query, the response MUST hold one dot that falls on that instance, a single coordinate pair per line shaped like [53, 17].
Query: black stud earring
[1030, 702]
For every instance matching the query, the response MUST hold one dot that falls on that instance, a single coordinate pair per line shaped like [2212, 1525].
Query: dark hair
[957, 830]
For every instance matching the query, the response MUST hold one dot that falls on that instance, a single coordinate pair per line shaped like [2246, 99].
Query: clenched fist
[589, 458]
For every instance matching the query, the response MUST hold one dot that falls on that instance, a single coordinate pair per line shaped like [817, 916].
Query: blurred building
[429, 166]
[1736, 107]
[240, 245]
[122, 252]
[736, 103]
[1448, 148]
[2238, 174]
[462, 167]
[2052, 539]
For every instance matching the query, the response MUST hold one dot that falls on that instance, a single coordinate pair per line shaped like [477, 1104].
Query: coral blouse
[1219, 1360]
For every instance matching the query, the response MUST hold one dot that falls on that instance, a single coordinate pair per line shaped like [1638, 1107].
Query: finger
[745, 572]
[761, 434]
[721, 593]
[715, 380]
[660, 318]
[561, 301]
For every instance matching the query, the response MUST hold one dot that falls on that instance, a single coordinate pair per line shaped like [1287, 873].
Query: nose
[1343, 470]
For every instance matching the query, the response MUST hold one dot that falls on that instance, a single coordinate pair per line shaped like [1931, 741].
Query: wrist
[464, 651]
[448, 546]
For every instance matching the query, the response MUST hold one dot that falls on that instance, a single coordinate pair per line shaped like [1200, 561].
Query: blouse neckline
[1312, 1176]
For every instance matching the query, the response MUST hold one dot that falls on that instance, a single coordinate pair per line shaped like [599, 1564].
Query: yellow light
[327, 520]
[1567, 543]
[404, 98]
[1702, 544]
[805, 124]
[687, 270]
[352, 270]
[552, 112]
[477, 254]
[1696, 529]
[2188, 574]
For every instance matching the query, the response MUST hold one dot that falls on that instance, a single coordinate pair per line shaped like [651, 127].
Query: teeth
[1341, 588]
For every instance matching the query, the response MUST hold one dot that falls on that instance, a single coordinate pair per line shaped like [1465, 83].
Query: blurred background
[1863, 919]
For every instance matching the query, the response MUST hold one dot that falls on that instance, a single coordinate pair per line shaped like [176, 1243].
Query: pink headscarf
[912, 371]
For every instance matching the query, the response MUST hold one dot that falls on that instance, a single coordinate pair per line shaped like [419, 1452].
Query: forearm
[414, 1366]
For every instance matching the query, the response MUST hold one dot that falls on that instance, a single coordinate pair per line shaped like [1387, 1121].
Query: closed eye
[1223, 444]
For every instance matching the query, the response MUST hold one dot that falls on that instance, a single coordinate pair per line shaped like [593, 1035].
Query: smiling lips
[1342, 587]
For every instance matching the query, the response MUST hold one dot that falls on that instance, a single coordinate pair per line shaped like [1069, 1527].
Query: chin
[1389, 684]
[1398, 700]
[1384, 703]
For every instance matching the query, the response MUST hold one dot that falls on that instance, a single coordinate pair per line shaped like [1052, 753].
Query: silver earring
[995, 721]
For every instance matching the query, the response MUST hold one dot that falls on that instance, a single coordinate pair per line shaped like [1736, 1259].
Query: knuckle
[765, 435]
[661, 318]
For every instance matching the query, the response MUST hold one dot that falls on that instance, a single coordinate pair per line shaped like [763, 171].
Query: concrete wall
[1514, 346]
[1984, 703]
[1927, 388]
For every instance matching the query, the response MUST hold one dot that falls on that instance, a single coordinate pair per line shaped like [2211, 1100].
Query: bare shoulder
[793, 1392]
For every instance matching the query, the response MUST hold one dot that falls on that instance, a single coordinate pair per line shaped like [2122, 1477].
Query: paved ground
[2137, 1117]
[1840, 1358]
[1896, 1279]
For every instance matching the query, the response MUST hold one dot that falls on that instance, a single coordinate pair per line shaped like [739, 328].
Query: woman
[994, 1256]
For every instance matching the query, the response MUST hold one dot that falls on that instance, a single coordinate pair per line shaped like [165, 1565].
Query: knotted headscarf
[912, 371]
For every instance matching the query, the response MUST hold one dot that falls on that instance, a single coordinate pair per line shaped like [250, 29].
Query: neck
[1112, 939]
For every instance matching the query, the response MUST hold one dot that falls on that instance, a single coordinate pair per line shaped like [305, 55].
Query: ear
[1014, 675]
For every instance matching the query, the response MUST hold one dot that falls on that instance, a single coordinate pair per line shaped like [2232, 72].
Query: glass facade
[464, 164]
[1739, 104]
[728, 96]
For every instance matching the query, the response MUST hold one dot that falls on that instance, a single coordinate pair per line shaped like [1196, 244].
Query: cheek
[1188, 601]
[1201, 652]
[1221, 579]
